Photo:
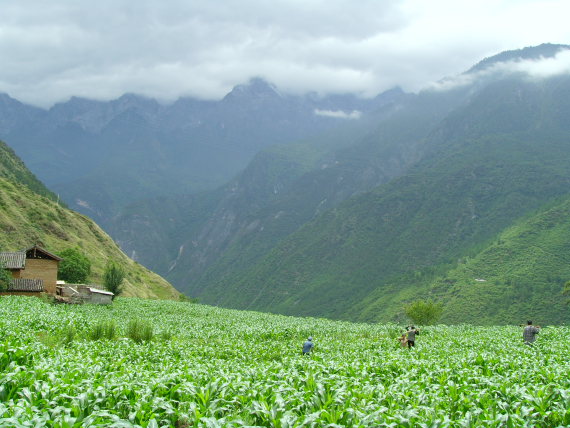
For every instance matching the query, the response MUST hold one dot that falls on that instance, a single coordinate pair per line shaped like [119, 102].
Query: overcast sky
[165, 49]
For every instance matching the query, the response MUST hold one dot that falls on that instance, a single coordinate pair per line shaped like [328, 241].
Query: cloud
[542, 68]
[53, 50]
[339, 114]
[531, 68]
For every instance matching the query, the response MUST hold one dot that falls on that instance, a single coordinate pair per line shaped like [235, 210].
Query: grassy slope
[13, 169]
[30, 215]
[520, 275]
[27, 218]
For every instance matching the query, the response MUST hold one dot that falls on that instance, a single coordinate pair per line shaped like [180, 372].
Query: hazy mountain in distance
[273, 240]
[350, 218]
[100, 156]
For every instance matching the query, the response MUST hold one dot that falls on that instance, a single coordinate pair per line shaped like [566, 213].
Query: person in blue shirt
[308, 346]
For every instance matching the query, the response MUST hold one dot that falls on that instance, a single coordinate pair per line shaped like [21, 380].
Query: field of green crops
[173, 364]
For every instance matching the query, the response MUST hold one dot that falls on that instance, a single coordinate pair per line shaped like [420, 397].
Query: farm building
[81, 293]
[34, 271]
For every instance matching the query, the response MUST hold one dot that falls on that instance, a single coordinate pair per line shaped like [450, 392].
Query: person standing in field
[411, 333]
[308, 346]
[530, 332]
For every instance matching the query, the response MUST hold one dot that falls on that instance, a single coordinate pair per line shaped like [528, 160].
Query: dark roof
[32, 252]
[24, 284]
[15, 260]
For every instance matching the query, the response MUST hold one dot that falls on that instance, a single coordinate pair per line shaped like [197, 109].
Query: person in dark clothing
[411, 334]
[530, 332]
[308, 346]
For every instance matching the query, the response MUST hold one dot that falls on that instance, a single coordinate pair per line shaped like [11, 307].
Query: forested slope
[492, 162]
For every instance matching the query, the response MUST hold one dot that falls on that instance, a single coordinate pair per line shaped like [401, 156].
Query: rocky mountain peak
[256, 88]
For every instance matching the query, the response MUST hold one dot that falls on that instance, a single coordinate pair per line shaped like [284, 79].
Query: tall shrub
[424, 312]
[113, 278]
[75, 266]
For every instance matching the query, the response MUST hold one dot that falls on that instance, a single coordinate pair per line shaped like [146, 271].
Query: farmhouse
[81, 293]
[33, 271]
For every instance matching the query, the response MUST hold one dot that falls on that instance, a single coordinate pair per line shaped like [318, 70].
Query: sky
[52, 50]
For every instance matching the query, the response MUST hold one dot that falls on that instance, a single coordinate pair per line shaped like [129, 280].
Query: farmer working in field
[412, 331]
[530, 332]
[308, 346]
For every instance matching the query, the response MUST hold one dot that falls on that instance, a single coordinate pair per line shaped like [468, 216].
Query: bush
[113, 278]
[103, 329]
[5, 278]
[424, 312]
[140, 331]
[110, 330]
[75, 266]
[69, 334]
[97, 332]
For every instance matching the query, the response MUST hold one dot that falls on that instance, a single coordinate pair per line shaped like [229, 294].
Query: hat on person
[310, 338]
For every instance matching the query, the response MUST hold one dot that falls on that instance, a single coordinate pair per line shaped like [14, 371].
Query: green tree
[113, 278]
[5, 277]
[75, 266]
[424, 312]
[566, 291]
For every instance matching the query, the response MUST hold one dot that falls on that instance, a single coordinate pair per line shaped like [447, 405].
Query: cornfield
[203, 366]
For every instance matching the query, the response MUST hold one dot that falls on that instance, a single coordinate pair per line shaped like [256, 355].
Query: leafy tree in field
[424, 312]
[113, 278]
[75, 266]
[5, 278]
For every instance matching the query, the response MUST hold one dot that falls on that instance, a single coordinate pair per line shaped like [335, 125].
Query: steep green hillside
[520, 275]
[498, 158]
[13, 169]
[28, 218]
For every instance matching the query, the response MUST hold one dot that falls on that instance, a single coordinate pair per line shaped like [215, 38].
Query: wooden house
[33, 270]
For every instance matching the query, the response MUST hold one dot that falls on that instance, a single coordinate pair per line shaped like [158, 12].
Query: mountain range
[332, 206]
[100, 156]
